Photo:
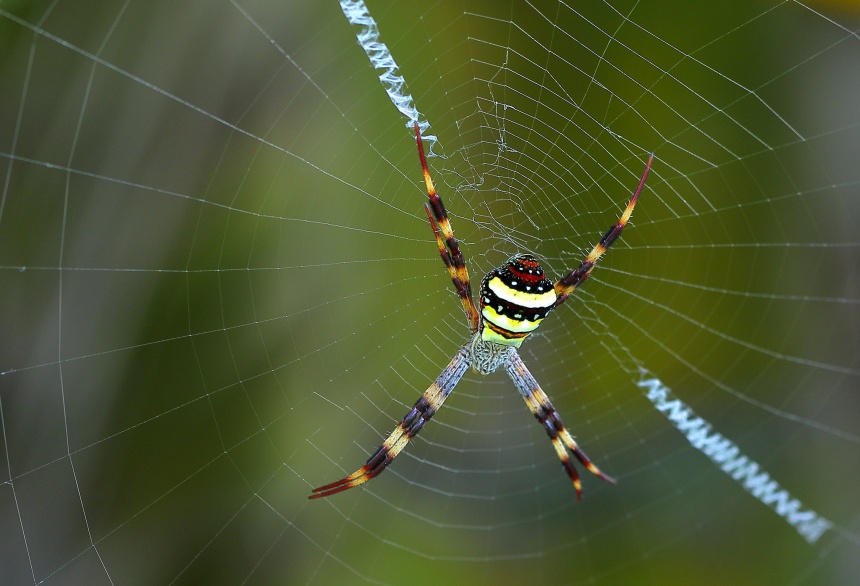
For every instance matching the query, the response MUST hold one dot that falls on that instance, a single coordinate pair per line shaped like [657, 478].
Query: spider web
[221, 290]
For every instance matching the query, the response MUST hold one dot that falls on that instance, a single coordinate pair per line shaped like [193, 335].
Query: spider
[514, 299]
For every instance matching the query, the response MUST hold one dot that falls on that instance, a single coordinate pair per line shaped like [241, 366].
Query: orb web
[222, 290]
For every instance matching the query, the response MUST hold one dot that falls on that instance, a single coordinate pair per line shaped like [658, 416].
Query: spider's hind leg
[568, 284]
[449, 248]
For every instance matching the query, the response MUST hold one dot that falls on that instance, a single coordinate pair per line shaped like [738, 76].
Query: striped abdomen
[514, 299]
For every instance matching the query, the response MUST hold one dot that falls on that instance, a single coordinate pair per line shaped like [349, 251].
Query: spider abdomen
[515, 298]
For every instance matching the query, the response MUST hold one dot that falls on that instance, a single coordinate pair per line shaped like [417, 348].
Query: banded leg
[540, 405]
[418, 416]
[449, 248]
[568, 284]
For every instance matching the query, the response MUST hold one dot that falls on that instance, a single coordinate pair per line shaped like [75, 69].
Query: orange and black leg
[568, 284]
[541, 407]
[412, 423]
[449, 248]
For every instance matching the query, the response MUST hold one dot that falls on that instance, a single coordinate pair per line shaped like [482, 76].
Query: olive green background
[220, 290]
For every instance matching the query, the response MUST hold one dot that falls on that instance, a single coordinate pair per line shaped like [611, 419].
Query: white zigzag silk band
[727, 455]
[356, 13]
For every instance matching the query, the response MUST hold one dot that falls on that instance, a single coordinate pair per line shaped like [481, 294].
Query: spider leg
[568, 284]
[540, 405]
[421, 412]
[449, 248]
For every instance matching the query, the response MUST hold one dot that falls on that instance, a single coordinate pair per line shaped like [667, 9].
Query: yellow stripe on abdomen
[524, 299]
[510, 324]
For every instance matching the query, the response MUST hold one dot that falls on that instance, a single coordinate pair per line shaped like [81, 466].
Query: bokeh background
[220, 290]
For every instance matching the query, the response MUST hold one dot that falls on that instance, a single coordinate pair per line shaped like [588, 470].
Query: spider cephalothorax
[514, 298]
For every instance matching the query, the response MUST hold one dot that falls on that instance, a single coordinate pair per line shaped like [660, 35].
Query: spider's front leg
[543, 410]
[421, 412]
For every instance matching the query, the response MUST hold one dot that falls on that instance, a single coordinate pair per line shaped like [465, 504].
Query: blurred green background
[220, 289]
